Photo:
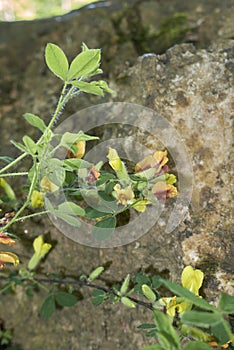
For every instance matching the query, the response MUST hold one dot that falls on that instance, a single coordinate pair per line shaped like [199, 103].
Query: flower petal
[123, 195]
[8, 257]
[80, 145]
[47, 185]
[4, 239]
[192, 279]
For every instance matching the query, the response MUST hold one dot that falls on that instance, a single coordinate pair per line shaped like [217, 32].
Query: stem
[22, 156]
[33, 183]
[58, 108]
[14, 174]
[38, 283]
[60, 104]
[32, 215]
[94, 286]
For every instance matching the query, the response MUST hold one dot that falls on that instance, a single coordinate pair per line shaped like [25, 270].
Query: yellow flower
[174, 305]
[141, 205]
[8, 257]
[123, 195]
[157, 160]
[80, 150]
[114, 160]
[117, 164]
[4, 239]
[37, 199]
[47, 185]
[163, 191]
[192, 279]
[40, 249]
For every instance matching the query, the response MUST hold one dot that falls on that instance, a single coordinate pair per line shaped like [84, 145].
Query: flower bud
[128, 302]
[125, 285]
[95, 273]
[148, 293]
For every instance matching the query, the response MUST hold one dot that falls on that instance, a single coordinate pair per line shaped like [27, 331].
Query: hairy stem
[32, 186]
[14, 174]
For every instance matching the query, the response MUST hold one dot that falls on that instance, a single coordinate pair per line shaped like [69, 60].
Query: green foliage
[48, 307]
[226, 303]
[35, 121]
[56, 60]
[166, 333]
[99, 297]
[183, 315]
[65, 299]
[195, 345]
[85, 64]
[103, 229]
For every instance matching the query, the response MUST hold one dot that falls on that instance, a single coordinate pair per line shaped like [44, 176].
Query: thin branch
[85, 284]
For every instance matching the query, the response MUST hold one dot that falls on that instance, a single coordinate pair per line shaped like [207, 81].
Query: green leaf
[48, 307]
[195, 333]
[226, 303]
[36, 121]
[195, 345]
[110, 187]
[104, 228]
[71, 208]
[65, 299]
[75, 163]
[84, 47]
[147, 326]
[103, 85]
[201, 319]
[98, 297]
[91, 213]
[141, 279]
[56, 60]
[89, 88]
[6, 159]
[71, 220]
[156, 281]
[53, 169]
[30, 144]
[19, 146]
[185, 293]
[104, 178]
[84, 64]
[222, 331]
[166, 333]
[68, 138]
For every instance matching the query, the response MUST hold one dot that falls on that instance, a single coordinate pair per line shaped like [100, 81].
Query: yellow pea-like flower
[8, 257]
[37, 199]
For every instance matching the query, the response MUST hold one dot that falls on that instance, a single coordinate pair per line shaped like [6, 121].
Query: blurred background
[15, 10]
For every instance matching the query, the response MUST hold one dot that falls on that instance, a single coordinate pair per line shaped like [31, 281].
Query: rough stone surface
[192, 87]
